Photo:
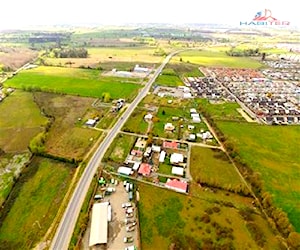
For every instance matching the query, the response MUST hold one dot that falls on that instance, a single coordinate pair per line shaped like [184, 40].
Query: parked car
[128, 221]
[126, 205]
[129, 210]
[130, 228]
[129, 215]
[128, 239]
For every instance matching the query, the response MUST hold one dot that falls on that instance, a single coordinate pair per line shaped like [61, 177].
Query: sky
[24, 13]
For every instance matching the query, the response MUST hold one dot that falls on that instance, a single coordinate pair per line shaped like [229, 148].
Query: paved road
[66, 227]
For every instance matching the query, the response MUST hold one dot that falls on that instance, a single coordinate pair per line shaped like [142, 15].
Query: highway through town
[67, 224]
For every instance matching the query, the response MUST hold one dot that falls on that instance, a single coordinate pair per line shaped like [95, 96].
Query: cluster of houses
[143, 162]
[273, 95]
[204, 87]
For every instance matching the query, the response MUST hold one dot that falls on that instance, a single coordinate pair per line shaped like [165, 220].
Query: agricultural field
[216, 59]
[81, 82]
[41, 187]
[212, 167]
[276, 159]
[20, 121]
[119, 148]
[67, 137]
[116, 57]
[137, 123]
[12, 57]
[186, 222]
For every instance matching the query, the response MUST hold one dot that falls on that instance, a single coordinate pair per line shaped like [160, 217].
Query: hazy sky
[22, 13]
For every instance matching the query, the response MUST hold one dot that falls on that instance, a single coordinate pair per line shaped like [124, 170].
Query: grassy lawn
[65, 138]
[216, 59]
[119, 148]
[136, 122]
[168, 80]
[212, 167]
[273, 152]
[74, 81]
[185, 69]
[34, 203]
[221, 111]
[20, 117]
[167, 217]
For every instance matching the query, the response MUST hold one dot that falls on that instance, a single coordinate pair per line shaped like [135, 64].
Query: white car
[129, 210]
[127, 204]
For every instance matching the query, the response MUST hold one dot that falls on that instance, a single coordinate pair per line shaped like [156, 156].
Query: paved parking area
[117, 226]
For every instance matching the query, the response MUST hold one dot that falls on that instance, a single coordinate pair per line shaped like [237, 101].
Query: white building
[162, 156]
[177, 171]
[176, 158]
[99, 224]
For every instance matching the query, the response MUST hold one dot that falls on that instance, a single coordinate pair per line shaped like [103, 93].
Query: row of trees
[69, 53]
[243, 52]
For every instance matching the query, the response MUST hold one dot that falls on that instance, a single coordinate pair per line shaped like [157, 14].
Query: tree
[294, 240]
[106, 97]
[163, 112]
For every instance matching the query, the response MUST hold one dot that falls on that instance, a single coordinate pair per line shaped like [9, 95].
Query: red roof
[170, 144]
[177, 185]
[145, 169]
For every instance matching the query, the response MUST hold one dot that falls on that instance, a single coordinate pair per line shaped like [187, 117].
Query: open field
[13, 58]
[271, 151]
[74, 81]
[216, 59]
[136, 123]
[212, 167]
[20, 121]
[168, 218]
[168, 80]
[66, 137]
[119, 148]
[116, 56]
[33, 203]
[226, 111]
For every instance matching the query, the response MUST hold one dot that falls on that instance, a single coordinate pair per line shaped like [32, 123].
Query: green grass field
[168, 218]
[216, 59]
[119, 148]
[136, 123]
[20, 121]
[168, 80]
[212, 167]
[273, 152]
[74, 81]
[226, 111]
[38, 195]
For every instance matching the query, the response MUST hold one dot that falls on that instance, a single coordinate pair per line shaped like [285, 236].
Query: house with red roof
[171, 144]
[145, 169]
[177, 185]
